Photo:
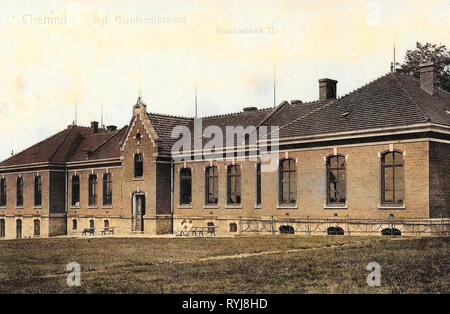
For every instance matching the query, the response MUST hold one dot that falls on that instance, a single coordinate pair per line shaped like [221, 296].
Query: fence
[346, 226]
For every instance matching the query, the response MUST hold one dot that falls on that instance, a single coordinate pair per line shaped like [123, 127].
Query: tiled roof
[164, 124]
[390, 101]
[71, 144]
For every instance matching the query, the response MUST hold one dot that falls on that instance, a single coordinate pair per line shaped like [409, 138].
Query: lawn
[266, 264]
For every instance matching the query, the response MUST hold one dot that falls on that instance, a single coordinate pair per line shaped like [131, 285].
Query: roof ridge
[412, 77]
[62, 142]
[168, 115]
[235, 113]
[34, 145]
[333, 101]
[108, 139]
[306, 115]
[411, 97]
[364, 86]
[272, 113]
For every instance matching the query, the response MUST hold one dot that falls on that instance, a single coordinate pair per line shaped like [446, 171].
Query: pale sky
[55, 54]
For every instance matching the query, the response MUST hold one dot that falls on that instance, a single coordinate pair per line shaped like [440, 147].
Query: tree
[439, 54]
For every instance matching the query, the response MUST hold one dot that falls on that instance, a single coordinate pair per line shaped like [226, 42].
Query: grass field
[269, 264]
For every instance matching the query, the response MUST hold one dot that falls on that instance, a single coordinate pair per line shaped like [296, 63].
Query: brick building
[379, 152]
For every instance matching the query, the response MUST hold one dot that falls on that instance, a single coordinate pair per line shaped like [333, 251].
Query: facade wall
[426, 190]
[439, 180]
[84, 213]
[142, 186]
[363, 187]
[28, 212]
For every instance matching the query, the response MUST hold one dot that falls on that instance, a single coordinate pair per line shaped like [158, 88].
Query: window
[285, 229]
[91, 224]
[335, 231]
[37, 191]
[234, 185]
[107, 189]
[138, 139]
[258, 185]
[233, 227]
[74, 224]
[18, 228]
[106, 222]
[138, 166]
[212, 185]
[288, 182]
[92, 190]
[185, 186]
[37, 228]
[3, 192]
[2, 228]
[392, 181]
[76, 191]
[391, 232]
[336, 180]
[19, 200]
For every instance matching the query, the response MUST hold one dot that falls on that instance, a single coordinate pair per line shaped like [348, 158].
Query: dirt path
[207, 259]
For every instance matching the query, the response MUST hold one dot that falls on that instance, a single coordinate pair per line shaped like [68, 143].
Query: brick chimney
[428, 77]
[94, 126]
[327, 89]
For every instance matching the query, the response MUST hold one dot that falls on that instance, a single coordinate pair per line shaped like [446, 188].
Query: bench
[200, 231]
[91, 231]
[109, 230]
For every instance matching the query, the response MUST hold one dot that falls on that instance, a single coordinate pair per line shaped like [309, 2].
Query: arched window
[74, 224]
[18, 228]
[391, 232]
[76, 191]
[234, 185]
[138, 166]
[233, 227]
[286, 229]
[288, 182]
[392, 181]
[37, 228]
[19, 192]
[336, 180]
[92, 190]
[138, 139]
[3, 192]
[2, 228]
[335, 231]
[212, 185]
[37, 191]
[107, 189]
[185, 186]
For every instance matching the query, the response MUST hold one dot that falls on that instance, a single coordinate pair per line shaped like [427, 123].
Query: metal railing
[346, 226]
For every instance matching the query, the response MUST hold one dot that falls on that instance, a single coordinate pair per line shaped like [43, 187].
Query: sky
[61, 55]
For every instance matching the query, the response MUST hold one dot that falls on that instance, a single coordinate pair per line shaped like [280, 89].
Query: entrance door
[139, 212]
